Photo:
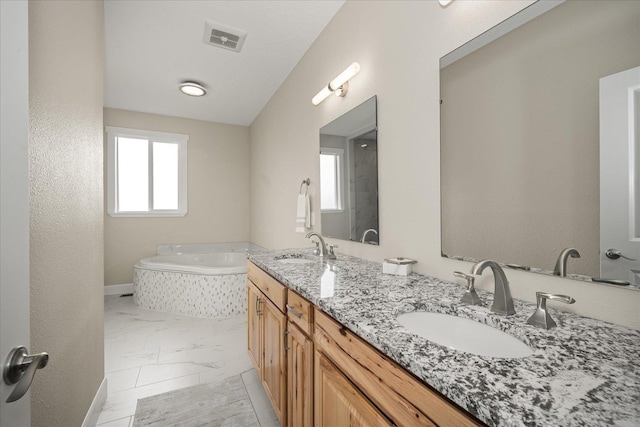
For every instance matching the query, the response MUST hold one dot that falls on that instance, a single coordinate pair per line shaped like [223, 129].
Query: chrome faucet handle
[332, 255]
[470, 297]
[541, 317]
[316, 251]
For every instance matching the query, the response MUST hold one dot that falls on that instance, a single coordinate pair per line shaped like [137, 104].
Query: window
[147, 173]
[331, 180]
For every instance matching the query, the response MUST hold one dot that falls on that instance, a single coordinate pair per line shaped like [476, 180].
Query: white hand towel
[307, 222]
[303, 213]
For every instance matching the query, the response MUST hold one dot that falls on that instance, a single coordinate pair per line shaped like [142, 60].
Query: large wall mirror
[526, 142]
[349, 176]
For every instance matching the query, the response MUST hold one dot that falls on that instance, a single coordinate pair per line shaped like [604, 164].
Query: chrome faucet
[561, 263]
[323, 246]
[367, 232]
[502, 300]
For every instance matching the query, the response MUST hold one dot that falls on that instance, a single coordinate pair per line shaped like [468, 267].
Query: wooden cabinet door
[274, 363]
[253, 325]
[299, 378]
[338, 402]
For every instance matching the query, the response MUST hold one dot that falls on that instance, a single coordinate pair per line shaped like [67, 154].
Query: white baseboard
[91, 419]
[127, 288]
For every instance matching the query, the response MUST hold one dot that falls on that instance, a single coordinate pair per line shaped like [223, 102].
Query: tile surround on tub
[190, 294]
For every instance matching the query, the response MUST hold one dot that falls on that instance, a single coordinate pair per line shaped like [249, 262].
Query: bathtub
[207, 264]
[183, 281]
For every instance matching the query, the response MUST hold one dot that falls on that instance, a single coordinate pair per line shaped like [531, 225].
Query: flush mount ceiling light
[339, 85]
[192, 89]
[444, 3]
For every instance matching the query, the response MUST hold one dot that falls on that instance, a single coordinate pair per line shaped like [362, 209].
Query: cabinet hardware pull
[293, 311]
[258, 303]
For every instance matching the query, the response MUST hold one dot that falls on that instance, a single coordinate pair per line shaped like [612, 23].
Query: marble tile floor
[150, 352]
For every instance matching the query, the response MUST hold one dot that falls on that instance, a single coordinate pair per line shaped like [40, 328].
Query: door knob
[615, 254]
[20, 368]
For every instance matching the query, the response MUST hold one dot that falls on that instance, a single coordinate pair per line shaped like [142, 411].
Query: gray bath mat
[221, 404]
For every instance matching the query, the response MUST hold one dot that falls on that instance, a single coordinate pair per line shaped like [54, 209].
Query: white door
[14, 198]
[620, 176]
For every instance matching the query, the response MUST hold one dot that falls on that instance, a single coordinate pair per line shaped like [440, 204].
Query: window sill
[147, 214]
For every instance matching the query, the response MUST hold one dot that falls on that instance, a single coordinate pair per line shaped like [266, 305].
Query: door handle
[20, 367]
[615, 254]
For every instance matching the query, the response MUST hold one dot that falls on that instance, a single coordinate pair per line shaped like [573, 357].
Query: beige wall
[525, 188]
[66, 220]
[398, 46]
[218, 194]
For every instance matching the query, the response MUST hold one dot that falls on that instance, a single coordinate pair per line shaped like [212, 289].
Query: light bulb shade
[321, 96]
[344, 76]
[339, 85]
[444, 2]
[192, 89]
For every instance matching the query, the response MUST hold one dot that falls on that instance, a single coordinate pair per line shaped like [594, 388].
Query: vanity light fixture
[192, 89]
[339, 85]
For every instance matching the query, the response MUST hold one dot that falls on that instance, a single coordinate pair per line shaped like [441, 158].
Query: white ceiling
[153, 45]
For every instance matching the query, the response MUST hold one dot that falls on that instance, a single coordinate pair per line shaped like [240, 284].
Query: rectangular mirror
[521, 128]
[349, 175]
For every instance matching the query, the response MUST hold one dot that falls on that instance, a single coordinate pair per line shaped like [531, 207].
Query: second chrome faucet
[561, 263]
[324, 252]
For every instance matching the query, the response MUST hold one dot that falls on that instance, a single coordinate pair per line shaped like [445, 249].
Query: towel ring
[306, 190]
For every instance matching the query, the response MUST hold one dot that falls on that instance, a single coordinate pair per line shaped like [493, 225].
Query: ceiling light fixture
[192, 89]
[444, 3]
[339, 85]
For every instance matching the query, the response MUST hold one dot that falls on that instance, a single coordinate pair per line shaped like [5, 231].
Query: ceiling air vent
[222, 36]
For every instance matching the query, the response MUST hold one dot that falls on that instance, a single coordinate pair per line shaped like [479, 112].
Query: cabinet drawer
[300, 312]
[269, 286]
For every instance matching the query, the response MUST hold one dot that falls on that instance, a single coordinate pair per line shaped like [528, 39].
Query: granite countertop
[584, 372]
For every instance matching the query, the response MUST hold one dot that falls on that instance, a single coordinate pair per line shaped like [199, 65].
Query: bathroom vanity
[328, 347]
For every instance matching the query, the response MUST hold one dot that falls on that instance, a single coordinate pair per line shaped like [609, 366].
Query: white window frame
[151, 136]
[339, 154]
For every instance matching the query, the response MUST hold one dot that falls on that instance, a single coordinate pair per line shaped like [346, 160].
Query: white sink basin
[465, 335]
[295, 261]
